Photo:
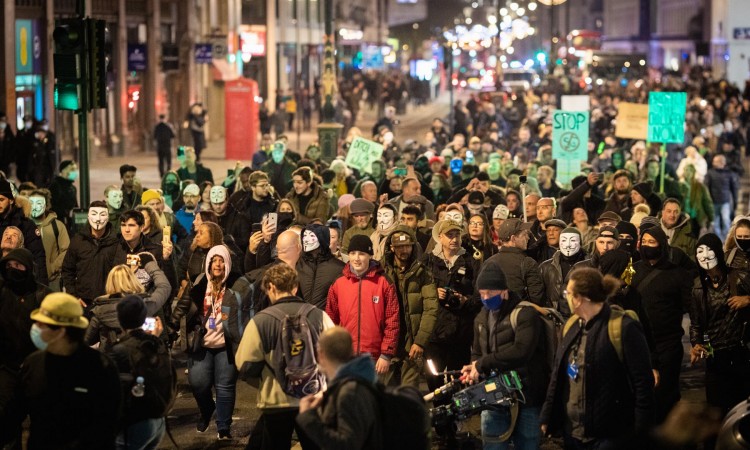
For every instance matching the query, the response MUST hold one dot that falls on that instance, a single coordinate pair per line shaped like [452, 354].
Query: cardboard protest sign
[362, 153]
[570, 137]
[666, 117]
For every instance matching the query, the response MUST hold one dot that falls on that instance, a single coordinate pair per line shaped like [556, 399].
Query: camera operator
[450, 344]
[500, 346]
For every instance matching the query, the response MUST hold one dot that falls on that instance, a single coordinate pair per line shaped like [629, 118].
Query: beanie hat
[151, 194]
[345, 200]
[649, 222]
[6, 190]
[645, 188]
[492, 277]
[131, 312]
[627, 228]
[639, 212]
[572, 230]
[360, 243]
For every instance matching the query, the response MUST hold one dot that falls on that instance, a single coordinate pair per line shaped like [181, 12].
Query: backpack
[236, 312]
[553, 324]
[614, 326]
[405, 421]
[149, 358]
[294, 363]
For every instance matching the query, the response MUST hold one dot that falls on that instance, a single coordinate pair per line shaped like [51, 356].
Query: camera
[523, 179]
[453, 290]
[497, 390]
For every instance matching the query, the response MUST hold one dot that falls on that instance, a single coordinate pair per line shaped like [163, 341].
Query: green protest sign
[362, 153]
[570, 138]
[666, 117]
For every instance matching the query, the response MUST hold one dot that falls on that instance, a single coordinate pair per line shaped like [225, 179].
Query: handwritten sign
[362, 153]
[666, 117]
[570, 138]
[632, 121]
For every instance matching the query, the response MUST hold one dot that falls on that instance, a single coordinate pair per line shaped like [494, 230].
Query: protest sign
[632, 121]
[570, 137]
[362, 153]
[666, 117]
[575, 103]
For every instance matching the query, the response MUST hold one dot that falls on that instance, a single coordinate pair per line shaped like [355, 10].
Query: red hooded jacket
[368, 307]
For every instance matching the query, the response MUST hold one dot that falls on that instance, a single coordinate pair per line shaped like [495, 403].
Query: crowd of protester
[446, 250]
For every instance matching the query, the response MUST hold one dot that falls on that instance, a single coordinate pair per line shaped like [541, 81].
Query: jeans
[143, 435]
[723, 217]
[273, 431]
[207, 368]
[526, 435]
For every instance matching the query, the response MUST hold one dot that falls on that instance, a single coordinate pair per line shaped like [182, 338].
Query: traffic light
[98, 56]
[69, 37]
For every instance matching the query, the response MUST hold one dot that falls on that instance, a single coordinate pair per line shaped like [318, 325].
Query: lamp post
[552, 32]
[328, 130]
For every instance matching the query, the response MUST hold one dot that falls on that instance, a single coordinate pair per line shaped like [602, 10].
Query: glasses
[476, 224]
[262, 186]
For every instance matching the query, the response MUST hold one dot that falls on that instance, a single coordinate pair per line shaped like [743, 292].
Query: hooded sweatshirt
[55, 244]
[318, 269]
[214, 337]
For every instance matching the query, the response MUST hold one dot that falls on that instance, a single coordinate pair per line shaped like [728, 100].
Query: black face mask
[743, 244]
[650, 253]
[628, 245]
[15, 276]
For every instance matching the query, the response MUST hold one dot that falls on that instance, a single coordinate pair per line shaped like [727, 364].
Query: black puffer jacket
[618, 396]
[521, 273]
[523, 350]
[87, 263]
[32, 240]
[318, 269]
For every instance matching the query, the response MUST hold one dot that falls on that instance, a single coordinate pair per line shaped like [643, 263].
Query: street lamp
[552, 31]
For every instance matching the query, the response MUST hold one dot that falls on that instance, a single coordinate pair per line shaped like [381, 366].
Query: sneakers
[224, 435]
[202, 425]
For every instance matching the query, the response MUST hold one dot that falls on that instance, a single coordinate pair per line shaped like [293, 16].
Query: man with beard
[361, 216]
[12, 215]
[279, 169]
[317, 269]
[89, 258]
[619, 201]
[411, 187]
[247, 207]
[113, 197]
[665, 290]
[417, 296]
[555, 270]
[20, 294]
[186, 214]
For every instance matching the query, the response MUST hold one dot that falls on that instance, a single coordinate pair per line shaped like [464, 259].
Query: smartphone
[399, 172]
[230, 173]
[257, 227]
[469, 157]
[181, 151]
[166, 238]
[272, 219]
[149, 324]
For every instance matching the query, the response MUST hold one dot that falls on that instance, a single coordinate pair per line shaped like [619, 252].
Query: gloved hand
[146, 258]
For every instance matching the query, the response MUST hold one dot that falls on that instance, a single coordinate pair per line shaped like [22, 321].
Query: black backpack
[404, 419]
[149, 358]
[294, 363]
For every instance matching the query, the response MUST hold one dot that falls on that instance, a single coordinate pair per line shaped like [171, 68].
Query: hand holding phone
[273, 220]
[149, 324]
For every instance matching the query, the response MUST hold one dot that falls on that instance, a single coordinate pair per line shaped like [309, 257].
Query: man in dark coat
[163, 135]
[665, 290]
[582, 196]
[317, 268]
[11, 215]
[64, 194]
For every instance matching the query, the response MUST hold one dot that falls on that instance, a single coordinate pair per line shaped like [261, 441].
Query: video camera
[497, 390]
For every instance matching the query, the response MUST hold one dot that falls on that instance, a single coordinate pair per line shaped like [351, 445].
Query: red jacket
[367, 307]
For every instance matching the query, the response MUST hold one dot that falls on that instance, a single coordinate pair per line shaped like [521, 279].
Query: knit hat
[492, 278]
[361, 206]
[627, 228]
[645, 188]
[639, 212]
[649, 222]
[345, 200]
[131, 312]
[361, 243]
[6, 190]
[150, 194]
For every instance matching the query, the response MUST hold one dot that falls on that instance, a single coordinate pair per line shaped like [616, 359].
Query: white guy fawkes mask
[706, 257]
[218, 194]
[455, 216]
[38, 206]
[98, 218]
[385, 218]
[570, 244]
[114, 198]
[309, 241]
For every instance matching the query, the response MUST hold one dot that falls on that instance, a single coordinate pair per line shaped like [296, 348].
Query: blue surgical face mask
[277, 155]
[493, 303]
[73, 175]
[36, 338]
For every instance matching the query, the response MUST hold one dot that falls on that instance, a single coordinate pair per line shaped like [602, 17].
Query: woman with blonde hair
[123, 280]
